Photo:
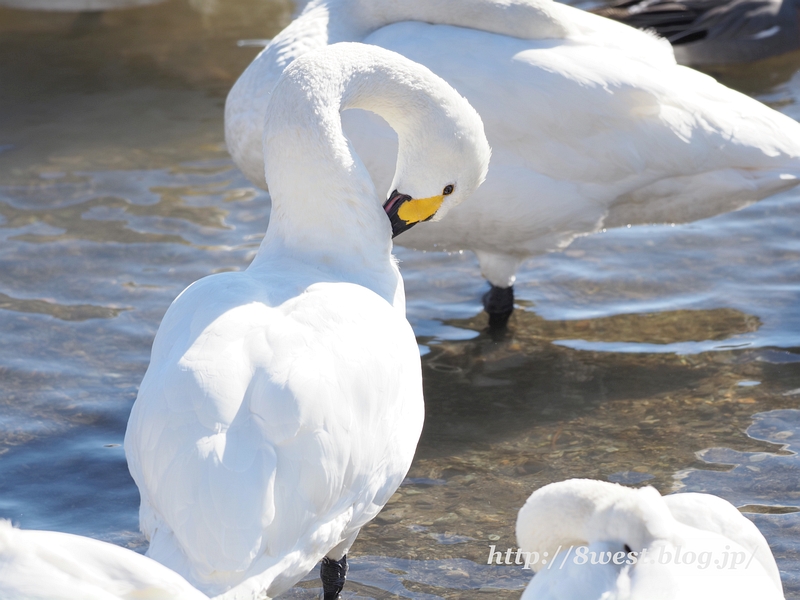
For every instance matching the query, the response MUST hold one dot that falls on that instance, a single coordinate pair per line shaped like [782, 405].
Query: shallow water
[660, 355]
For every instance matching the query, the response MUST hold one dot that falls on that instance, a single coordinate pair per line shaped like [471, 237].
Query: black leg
[333, 574]
[499, 304]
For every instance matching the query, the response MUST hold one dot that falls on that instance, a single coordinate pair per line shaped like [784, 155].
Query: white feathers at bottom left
[48, 565]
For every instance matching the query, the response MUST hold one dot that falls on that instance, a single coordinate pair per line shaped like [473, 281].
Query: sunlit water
[639, 355]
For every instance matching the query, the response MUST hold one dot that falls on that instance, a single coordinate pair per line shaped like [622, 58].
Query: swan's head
[443, 177]
[443, 154]
[580, 512]
[405, 212]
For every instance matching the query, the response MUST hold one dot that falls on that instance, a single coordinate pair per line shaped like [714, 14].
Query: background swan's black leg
[333, 574]
[499, 304]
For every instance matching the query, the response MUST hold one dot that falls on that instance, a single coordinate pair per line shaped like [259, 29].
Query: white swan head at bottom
[594, 540]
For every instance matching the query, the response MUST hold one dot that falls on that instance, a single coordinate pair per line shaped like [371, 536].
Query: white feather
[47, 565]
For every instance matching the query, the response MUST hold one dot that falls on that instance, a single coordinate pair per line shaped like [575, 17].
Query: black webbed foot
[333, 574]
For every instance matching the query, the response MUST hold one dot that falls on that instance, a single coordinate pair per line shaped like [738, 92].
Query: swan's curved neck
[579, 512]
[325, 209]
[326, 22]
[551, 519]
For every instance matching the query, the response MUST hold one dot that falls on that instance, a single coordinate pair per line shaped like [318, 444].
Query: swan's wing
[265, 427]
[46, 565]
[590, 126]
[707, 512]
[586, 112]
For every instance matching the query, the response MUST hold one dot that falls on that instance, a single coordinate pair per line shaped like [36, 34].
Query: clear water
[660, 355]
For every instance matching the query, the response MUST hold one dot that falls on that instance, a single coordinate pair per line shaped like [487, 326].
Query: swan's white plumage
[283, 404]
[592, 124]
[711, 513]
[47, 565]
[609, 518]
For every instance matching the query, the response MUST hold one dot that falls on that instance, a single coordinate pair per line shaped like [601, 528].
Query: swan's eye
[448, 189]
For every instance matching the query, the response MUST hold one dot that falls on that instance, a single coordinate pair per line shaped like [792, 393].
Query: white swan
[47, 565]
[592, 123]
[708, 32]
[283, 404]
[598, 540]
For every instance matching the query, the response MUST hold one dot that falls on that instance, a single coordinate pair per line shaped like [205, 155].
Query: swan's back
[247, 464]
[586, 136]
[707, 512]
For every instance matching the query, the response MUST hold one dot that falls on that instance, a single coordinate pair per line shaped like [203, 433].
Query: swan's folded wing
[248, 438]
[707, 512]
[595, 122]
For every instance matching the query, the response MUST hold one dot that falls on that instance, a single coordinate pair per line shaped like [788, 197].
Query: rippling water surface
[664, 355]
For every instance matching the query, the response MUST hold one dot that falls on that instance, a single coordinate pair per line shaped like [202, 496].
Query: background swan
[715, 31]
[47, 565]
[283, 404]
[592, 123]
[609, 518]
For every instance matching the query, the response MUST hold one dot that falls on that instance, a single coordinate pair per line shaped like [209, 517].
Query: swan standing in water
[48, 565]
[283, 404]
[643, 546]
[592, 123]
[713, 32]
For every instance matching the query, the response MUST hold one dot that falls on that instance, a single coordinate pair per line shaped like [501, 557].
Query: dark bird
[715, 31]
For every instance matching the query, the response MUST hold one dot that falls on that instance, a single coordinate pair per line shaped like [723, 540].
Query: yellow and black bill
[405, 212]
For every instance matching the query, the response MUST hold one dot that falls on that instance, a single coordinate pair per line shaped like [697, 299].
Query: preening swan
[47, 565]
[283, 404]
[706, 32]
[593, 539]
[592, 124]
